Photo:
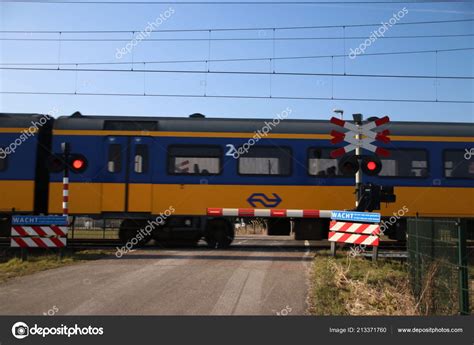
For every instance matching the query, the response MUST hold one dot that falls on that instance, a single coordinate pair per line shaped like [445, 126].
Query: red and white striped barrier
[356, 228]
[353, 238]
[355, 233]
[38, 236]
[42, 231]
[267, 212]
[38, 242]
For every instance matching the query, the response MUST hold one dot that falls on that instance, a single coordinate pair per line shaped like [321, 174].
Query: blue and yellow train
[136, 168]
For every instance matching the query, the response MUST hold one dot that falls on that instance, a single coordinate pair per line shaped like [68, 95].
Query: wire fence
[88, 228]
[440, 265]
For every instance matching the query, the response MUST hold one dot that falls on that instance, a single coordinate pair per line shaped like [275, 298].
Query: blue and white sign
[39, 220]
[367, 217]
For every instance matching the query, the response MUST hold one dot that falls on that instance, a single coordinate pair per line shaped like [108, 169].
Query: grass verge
[12, 266]
[346, 285]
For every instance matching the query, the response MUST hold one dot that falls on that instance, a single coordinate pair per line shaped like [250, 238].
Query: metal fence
[88, 228]
[438, 261]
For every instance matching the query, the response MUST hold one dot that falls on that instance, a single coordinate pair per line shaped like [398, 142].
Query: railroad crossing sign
[369, 217]
[39, 220]
[38, 232]
[360, 136]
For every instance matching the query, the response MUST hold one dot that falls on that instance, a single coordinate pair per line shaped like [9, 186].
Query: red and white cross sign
[367, 136]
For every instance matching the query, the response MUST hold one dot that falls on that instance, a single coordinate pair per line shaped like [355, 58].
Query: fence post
[462, 269]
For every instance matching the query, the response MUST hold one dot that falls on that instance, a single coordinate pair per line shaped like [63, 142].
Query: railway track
[240, 243]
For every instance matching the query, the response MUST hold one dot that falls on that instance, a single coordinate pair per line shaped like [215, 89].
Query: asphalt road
[257, 276]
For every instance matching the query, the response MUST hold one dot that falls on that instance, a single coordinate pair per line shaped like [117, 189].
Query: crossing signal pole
[360, 136]
[358, 152]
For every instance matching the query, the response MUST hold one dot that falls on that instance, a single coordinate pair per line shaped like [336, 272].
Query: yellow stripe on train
[243, 135]
[95, 198]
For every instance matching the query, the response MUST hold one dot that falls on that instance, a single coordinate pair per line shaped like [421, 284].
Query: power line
[226, 39]
[222, 2]
[230, 60]
[236, 72]
[236, 29]
[231, 97]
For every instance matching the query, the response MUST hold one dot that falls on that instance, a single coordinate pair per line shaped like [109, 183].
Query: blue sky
[63, 17]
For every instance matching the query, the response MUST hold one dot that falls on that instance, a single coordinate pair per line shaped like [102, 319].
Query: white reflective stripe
[262, 212]
[64, 204]
[351, 127]
[336, 226]
[370, 230]
[31, 232]
[352, 238]
[369, 147]
[349, 148]
[369, 134]
[368, 126]
[353, 227]
[336, 236]
[369, 240]
[65, 180]
[325, 214]
[294, 213]
[65, 192]
[230, 211]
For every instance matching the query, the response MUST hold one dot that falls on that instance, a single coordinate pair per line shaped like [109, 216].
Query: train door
[114, 174]
[140, 171]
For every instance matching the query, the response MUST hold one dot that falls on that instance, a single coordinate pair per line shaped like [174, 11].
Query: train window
[260, 160]
[141, 158]
[405, 163]
[114, 160]
[3, 160]
[457, 166]
[194, 160]
[321, 164]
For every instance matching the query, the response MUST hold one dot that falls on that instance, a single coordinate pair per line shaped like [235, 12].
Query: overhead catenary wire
[237, 29]
[298, 2]
[233, 59]
[234, 97]
[135, 70]
[62, 39]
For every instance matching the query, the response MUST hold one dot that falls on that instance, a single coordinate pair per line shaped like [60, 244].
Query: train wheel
[219, 233]
[129, 232]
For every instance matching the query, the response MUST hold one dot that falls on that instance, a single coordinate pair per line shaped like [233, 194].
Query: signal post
[358, 137]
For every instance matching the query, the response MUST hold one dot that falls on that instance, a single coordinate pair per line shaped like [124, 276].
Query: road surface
[257, 276]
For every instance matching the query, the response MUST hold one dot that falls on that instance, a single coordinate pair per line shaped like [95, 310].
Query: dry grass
[12, 266]
[356, 286]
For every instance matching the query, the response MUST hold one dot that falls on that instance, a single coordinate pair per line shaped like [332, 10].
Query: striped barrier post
[65, 196]
[66, 150]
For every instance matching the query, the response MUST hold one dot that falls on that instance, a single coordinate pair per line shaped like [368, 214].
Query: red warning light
[77, 164]
[371, 165]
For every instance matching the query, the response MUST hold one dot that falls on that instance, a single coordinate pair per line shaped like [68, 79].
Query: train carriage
[136, 168]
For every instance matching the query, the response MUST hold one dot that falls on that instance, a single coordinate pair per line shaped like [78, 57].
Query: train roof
[199, 123]
[13, 120]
